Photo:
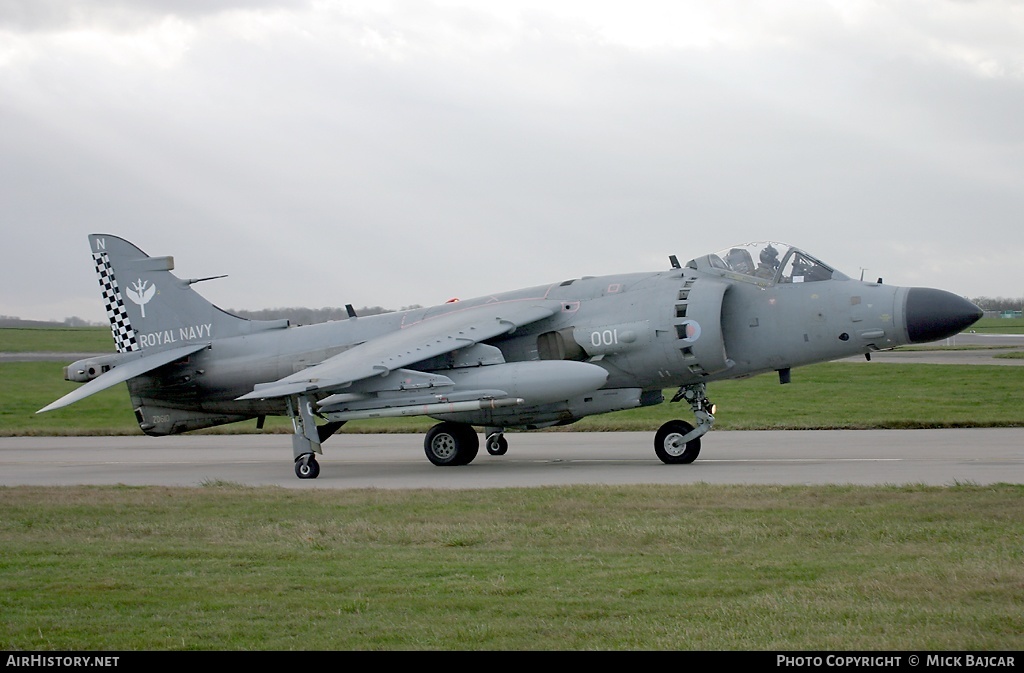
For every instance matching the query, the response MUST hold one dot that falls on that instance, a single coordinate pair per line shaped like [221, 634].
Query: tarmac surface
[863, 457]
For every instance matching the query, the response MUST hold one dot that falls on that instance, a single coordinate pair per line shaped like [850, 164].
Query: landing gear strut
[308, 436]
[678, 442]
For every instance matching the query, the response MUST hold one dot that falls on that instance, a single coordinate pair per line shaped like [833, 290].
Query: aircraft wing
[122, 372]
[409, 345]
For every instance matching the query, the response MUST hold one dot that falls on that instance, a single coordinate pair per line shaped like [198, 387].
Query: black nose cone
[937, 314]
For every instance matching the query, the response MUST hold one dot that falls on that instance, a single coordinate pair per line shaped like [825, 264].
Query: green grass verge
[570, 568]
[998, 326]
[1010, 356]
[56, 340]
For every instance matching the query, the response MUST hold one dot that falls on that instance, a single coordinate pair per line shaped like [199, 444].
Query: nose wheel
[670, 447]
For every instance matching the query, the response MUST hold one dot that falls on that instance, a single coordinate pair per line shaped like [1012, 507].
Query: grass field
[56, 340]
[999, 326]
[695, 567]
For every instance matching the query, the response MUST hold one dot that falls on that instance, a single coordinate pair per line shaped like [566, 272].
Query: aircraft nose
[936, 314]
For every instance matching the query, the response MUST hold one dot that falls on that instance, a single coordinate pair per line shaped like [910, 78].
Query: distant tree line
[73, 321]
[999, 303]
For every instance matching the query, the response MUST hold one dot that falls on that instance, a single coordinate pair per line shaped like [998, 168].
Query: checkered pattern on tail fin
[124, 335]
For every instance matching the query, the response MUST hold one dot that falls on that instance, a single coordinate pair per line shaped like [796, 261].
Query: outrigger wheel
[306, 467]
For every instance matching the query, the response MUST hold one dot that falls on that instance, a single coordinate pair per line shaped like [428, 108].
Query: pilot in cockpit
[739, 261]
[769, 263]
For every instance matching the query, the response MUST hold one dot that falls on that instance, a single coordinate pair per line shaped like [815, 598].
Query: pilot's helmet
[739, 261]
[770, 256]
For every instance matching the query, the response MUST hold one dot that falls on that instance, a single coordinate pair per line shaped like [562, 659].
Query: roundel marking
[691, 330]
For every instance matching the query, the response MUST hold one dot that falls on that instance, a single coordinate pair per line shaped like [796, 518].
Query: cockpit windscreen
[770, 262]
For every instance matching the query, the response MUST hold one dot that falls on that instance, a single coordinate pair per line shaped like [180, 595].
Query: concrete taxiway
[397, 461]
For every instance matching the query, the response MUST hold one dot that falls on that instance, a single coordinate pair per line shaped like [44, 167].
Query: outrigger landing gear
[678, 442]
[308, 436]
[306, 466]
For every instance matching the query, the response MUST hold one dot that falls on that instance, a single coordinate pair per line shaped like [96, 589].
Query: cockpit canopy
[767, 263]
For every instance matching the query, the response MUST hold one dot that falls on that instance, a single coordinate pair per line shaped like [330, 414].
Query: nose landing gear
[678, 442]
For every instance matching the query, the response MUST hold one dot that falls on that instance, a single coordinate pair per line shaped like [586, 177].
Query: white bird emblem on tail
[141, 294]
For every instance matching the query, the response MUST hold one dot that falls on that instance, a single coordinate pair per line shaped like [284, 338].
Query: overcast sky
[393, 153]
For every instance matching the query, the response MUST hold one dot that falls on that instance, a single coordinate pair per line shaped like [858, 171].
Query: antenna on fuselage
[192, 281]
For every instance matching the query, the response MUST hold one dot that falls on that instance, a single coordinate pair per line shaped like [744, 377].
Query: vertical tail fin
[152, 309]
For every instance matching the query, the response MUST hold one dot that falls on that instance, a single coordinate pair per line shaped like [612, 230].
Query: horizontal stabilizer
[123, 372]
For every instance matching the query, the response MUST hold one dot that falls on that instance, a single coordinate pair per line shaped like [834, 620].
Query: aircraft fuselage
[648, 331]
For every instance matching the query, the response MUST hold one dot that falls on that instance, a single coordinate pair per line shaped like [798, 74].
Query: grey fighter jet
[531, 358]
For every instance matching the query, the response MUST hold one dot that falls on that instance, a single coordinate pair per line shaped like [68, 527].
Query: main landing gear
[457, 444]
[450, 443]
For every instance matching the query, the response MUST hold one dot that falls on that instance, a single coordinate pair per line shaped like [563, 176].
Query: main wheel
[670, 449]
[450, 443]
[306, 467]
